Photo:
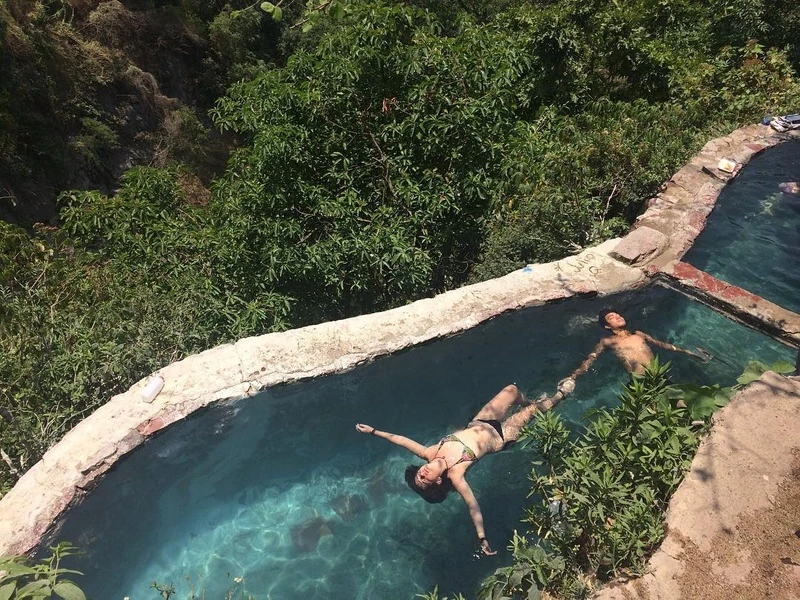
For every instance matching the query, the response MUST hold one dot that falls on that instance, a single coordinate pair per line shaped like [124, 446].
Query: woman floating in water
[447, 461]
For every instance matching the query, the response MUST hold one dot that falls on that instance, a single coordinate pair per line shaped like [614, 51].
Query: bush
[22, 579]
[95, 139]
[600, 497]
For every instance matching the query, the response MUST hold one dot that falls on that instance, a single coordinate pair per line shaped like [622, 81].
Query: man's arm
[403, 442]
[567, 385]
[589, 360]
[703, 356]
[462, 487]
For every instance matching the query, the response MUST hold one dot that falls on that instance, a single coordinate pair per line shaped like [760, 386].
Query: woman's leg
[514, 424]
[498, 406]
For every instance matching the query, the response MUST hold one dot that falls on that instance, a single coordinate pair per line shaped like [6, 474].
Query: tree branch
[386, 177]
[7, 459]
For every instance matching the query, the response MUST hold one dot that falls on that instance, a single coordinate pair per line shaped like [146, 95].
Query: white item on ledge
[152, 389]
[727, 165]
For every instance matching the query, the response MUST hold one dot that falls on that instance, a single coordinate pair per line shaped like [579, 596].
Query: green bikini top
[467, 454]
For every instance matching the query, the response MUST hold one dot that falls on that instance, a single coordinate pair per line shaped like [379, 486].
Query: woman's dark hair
[601, 316]
[432, 493]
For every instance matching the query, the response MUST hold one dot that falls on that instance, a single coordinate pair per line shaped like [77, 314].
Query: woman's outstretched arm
[462, 487]
[403, 442]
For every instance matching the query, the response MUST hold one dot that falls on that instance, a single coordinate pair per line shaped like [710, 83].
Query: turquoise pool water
[753, 236]
[282, 491]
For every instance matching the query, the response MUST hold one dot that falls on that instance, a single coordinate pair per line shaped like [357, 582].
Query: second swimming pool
[753, 237]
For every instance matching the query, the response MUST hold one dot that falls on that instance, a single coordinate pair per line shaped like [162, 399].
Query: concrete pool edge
[661, 235]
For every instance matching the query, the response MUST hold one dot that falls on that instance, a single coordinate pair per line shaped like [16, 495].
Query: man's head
[611, 319]
[432, 487]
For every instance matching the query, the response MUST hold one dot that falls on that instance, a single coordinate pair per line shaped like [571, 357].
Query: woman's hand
[566, 386]
[486, 549]
[362, 428]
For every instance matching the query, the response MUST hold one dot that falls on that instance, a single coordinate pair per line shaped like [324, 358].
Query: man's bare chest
[630, 344]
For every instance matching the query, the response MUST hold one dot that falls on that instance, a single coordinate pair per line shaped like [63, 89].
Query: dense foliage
[400, 151]
[90, 87]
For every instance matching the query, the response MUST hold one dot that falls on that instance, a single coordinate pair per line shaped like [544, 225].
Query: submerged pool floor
[282, 491]
[752, 239]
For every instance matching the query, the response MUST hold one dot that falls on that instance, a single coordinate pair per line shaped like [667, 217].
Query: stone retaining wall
[660, 236]
[739, 304]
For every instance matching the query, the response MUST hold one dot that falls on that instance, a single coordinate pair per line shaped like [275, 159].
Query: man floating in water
[631, 348]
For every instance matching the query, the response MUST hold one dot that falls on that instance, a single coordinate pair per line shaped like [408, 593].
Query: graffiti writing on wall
[579, 263]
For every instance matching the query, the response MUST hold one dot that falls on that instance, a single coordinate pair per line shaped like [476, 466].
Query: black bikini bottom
[499, 429]
[494, 423]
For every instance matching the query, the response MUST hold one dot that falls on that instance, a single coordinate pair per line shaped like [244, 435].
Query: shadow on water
[282, 490]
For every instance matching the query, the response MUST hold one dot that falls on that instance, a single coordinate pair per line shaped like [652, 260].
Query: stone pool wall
[660, 237]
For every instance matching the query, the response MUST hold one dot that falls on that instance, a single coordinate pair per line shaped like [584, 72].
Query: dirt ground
[734, 523]
[760, 559]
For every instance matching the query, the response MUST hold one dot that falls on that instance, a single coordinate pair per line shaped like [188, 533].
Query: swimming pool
[750, 215]
[281, 490]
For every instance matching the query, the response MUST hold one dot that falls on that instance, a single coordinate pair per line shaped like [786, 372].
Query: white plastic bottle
[152, 389]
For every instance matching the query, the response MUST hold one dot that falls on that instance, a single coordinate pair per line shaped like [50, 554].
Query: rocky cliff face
[91, 88]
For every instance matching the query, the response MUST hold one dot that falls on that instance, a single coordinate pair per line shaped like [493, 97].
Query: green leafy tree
[372, 161]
